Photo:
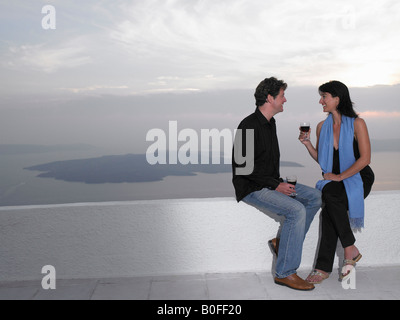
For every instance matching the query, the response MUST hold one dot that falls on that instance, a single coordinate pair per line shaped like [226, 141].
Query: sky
[111, 71]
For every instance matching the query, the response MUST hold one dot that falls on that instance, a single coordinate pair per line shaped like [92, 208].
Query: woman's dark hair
[268, 86]
[338, 89]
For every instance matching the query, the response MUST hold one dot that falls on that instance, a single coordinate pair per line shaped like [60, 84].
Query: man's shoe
[295, 282]
[274, 245]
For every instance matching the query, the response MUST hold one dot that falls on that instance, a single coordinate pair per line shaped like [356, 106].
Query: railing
[165, 237]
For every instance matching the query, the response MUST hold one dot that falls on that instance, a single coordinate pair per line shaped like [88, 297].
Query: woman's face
[328, 102]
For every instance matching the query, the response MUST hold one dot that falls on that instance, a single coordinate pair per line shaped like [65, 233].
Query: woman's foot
[351, 252]
[317, 276]
[351, 257]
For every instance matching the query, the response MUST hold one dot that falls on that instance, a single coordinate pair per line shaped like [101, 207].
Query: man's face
[278, 102]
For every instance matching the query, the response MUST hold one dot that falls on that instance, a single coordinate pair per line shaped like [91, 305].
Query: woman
[343, 151]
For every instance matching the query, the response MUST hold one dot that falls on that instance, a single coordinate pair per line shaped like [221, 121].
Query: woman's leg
[335, 224]
[327, 246]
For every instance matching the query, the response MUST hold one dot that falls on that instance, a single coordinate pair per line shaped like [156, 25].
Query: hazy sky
[112, 70]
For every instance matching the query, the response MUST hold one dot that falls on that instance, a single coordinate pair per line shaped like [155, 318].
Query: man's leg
[293, 229]
[311, 198]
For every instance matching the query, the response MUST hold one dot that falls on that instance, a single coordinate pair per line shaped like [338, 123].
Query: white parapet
[165, 237]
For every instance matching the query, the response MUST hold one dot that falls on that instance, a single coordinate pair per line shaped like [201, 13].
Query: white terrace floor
[372, 283]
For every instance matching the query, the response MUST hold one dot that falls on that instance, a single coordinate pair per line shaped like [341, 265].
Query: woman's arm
[364, 146]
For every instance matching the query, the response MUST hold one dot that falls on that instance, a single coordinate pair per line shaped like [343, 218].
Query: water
[22, 187]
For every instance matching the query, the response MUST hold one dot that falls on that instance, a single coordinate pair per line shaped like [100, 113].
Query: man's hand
[286, 188]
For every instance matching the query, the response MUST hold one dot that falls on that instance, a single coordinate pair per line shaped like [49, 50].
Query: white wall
[168, 237]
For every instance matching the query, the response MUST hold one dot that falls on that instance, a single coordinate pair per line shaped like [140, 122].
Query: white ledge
[167, 237]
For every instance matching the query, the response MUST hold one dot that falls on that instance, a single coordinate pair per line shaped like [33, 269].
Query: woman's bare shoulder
[319, 125]
[359, 122]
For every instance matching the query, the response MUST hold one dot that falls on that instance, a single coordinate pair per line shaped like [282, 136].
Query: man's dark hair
[269, 86]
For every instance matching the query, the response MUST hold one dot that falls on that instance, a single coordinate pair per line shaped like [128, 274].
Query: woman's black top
[367, 175]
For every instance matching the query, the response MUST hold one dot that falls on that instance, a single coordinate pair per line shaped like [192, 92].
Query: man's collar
[262, 118]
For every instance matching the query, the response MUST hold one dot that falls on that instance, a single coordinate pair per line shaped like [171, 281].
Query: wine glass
[305, 128]
[292, 179]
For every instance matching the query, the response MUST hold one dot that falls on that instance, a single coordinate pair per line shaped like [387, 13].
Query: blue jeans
[298, 212]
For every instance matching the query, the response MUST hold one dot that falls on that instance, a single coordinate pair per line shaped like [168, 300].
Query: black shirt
[367, 175]
[266, 156]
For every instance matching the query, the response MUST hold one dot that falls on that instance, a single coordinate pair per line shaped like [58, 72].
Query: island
[131, 168]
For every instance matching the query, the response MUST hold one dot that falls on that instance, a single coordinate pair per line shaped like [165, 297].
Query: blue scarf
[354, 184]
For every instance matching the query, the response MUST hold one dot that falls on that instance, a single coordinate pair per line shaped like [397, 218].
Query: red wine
[293, 182]
[305, 129]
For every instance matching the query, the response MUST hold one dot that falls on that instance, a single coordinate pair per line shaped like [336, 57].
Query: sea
[21, 187]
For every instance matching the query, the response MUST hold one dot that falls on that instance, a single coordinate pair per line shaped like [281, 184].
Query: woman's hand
[332, 177]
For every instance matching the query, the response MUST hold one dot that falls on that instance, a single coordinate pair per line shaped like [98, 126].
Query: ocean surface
[19, 186]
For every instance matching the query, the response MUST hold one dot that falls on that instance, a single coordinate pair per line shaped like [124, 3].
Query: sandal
[348, 266]
[316, 277]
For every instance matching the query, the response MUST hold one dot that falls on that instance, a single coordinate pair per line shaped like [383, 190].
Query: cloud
[380, 114]
[163, 46]
[95, 88]
[303, 42]
[42, 57]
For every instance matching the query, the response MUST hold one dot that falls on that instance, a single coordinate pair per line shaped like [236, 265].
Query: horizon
[122, 122]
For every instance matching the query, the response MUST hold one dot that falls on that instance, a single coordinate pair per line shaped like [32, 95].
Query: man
[258, 183]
